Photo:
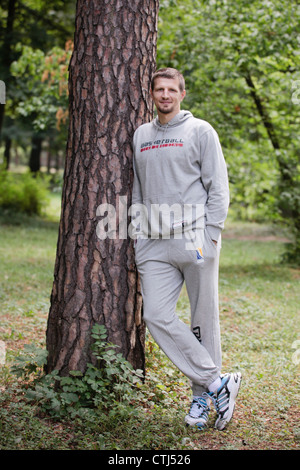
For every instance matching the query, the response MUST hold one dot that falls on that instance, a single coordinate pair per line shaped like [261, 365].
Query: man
[181, 198]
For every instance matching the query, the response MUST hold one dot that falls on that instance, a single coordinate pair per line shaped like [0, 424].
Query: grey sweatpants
[164, 265]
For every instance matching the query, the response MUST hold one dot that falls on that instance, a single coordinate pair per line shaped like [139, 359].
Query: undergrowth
[108, 386]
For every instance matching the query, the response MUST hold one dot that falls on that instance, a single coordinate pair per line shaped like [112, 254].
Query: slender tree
[95, 279]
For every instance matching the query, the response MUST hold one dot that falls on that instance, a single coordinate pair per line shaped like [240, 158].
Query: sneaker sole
[222, 423]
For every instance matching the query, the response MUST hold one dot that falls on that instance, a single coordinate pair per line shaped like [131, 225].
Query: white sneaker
[198, 414]
[224, 398]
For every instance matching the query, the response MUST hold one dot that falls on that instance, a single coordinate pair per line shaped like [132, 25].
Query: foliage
[23, 193]
[39, 23]
[32, 28]
[111, 383]
[242, 66]
[41, 86]
[288, 203]
[255, 200]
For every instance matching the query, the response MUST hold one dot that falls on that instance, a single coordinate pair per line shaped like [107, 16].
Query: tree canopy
[32, 32]
[241, 63]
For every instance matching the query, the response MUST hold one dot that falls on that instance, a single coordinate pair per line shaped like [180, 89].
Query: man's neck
[165, 118]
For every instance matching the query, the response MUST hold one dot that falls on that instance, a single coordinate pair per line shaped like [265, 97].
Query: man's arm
[215, 181]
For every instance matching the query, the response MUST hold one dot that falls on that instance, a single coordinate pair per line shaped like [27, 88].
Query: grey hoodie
[179, 170]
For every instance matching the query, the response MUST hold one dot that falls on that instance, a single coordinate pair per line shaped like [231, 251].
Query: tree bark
[262, 112]
[95, 280]
[35, 154]
[7, 150]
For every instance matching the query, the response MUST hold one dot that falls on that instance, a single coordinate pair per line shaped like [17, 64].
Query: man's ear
[183, 95]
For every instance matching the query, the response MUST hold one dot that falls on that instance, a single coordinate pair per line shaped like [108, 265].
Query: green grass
[259, 312]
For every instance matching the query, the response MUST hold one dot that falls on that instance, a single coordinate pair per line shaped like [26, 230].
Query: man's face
[167, 96]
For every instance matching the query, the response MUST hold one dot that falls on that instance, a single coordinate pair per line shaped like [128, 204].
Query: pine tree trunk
[95, 280]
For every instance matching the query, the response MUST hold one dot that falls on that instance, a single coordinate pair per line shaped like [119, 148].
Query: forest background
[241, 65]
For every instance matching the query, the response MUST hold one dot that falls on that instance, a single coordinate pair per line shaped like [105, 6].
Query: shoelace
[199, 404]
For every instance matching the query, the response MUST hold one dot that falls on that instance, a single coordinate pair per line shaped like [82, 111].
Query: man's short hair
[168, 72]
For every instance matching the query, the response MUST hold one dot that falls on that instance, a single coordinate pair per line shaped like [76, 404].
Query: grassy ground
[259, 309]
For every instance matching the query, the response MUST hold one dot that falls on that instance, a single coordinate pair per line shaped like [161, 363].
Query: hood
[177, 120]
